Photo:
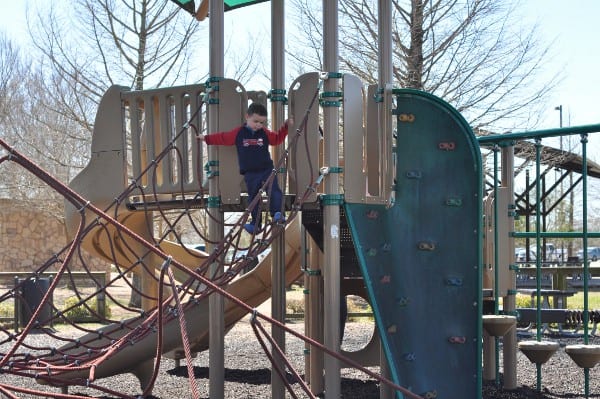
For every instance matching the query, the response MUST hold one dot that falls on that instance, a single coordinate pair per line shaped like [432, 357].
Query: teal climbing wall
[421, 258]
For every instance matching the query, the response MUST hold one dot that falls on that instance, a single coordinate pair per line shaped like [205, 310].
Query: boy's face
[256, 122]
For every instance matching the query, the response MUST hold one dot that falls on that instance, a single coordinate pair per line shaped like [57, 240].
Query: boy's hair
[258, 109]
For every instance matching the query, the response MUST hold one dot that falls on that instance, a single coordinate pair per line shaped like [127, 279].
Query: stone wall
[28, 238]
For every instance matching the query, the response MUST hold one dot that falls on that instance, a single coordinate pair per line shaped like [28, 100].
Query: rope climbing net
[182, 282]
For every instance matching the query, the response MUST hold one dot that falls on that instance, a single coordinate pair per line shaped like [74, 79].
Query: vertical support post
[17, 304]
[586, 260]
[315, 315]
[278, 245]
[215, 228]
[509, 301]
[385, 78]
[331, 211]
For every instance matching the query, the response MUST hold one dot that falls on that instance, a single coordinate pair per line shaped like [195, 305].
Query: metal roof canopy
[561, 159]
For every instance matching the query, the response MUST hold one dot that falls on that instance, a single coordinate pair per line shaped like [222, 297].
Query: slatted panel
[233, 104]
[153, 119]
[304, 158]
[355, 179]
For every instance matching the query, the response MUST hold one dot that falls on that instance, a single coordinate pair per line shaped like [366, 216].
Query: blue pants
[254, 181]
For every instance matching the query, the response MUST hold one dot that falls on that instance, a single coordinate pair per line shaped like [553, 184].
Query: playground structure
[413, 210]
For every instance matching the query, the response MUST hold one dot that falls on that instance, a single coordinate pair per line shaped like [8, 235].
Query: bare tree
[13, 69]
[474, 54]
[87, 46]
[37, 135]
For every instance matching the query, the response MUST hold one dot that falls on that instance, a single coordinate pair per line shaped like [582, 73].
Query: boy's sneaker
[278, 218]
[250, 228]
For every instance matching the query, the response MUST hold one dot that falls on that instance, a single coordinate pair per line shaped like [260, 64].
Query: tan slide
[252, 288]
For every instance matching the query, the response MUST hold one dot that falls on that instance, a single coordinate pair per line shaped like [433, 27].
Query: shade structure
[192, 6]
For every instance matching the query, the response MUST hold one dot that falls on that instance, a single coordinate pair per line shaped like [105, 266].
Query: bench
[576, 282]
[563, 317]
[559, 297]
[559, 314]
[526, 281]
[84, 278]
[529, 315]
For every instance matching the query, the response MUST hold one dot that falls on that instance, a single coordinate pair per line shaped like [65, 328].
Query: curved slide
[101, 181]
[253, 288]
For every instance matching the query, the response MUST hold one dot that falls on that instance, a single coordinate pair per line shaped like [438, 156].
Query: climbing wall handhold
[426, 246]
[372, 214]
[447, 145]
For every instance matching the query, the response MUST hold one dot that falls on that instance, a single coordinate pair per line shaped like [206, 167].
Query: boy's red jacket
[252, 146]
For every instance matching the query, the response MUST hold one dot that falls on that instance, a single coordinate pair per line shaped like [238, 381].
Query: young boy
[252, 141]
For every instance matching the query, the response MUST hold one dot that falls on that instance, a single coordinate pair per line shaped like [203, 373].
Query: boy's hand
[289, 121]
[200, 137]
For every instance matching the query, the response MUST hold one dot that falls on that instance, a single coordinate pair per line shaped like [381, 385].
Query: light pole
[559, 109]
[561, 208]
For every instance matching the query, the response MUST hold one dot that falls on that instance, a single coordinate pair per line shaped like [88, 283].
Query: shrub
[295, 306]
[523, 301]
[78, 313]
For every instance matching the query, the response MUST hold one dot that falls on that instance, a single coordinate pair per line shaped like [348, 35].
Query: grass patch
[576, 301]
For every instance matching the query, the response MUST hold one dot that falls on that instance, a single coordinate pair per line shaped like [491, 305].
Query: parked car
[593, 254]
[517, 250]
[562, 254]
[522, 255]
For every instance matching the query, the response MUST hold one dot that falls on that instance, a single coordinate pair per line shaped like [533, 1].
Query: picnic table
[559, 273]
[559, 297]
[555, 313]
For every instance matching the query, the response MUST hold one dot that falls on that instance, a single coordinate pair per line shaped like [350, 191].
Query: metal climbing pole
[278, 245]
[331, 201]
[215, 228]
[385, 78]
[509, 301]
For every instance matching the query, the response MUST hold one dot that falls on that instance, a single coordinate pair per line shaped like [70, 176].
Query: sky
[571, 25]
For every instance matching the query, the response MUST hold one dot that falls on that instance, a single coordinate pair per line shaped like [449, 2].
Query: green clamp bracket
[282, 99]
[336, 169]
[213, 101]
[209, 164]
[324, 103]
[332, 199]
[214, 202]
[312, 272]
[213, 79]
[282, 170]
[277, 95]
[514, 267]
[378, 96]
[331, 75]
[331, 94]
